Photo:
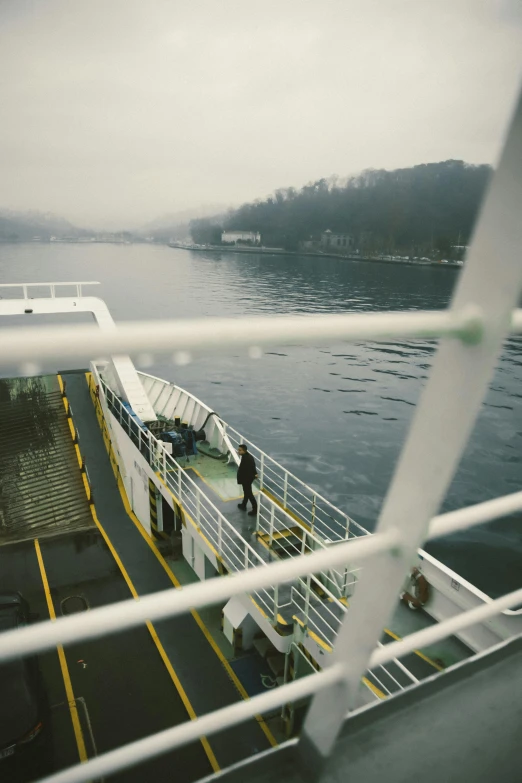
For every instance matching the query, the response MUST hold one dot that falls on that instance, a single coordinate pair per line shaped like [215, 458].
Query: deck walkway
[205, 680]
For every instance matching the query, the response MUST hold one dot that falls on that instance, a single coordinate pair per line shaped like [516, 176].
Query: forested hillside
[414, 210]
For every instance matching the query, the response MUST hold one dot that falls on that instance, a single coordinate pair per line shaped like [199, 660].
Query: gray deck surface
[200, 671]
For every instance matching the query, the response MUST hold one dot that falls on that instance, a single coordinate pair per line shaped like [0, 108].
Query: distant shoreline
[280, 252]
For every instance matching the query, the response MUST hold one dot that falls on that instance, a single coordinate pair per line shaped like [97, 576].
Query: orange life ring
[420, 591]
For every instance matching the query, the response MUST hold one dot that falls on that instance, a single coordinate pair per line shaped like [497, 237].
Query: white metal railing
[222, 537]
[308, 506]
[227, 542]
[477, 322]
[26, 287]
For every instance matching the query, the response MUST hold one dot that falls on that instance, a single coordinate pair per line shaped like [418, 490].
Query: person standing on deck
[246, 475]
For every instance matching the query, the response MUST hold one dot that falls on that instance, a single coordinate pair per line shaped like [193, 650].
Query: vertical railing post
[445, 415]
[276, 603]
[198, 507]
[345, 581]
[271, 533]
[24, 287]
[247, 561]
[262, 471]
[347, 530]
[220, 535]
[164, 464]
[149, 446]
[307, 601]
[314, 500]
[179, 482]
[285, 490]
[139, 439]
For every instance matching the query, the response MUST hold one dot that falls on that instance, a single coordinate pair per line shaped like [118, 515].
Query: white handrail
[454, 521]
[289, 474]
[51, 286]
[178, 338]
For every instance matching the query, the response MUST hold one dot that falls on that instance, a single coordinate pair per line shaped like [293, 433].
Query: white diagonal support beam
[442, 424]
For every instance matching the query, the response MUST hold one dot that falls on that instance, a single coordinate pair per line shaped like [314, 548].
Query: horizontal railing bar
[445, 628]
[453, 521]
[223, 335]
[48, 285]
[164, 741]
[169, 603]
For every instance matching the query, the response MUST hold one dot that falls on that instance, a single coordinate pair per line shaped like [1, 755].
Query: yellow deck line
[71, 427]
[77, 728]
[231, 673]
[174, 677]
[417, 652]
[374, 688]
[150, 627]
[313, 635]
[233, 676]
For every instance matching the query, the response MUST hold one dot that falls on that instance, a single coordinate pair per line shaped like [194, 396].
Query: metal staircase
[41, 487]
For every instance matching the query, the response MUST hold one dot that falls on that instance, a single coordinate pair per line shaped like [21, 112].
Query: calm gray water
[336, 416]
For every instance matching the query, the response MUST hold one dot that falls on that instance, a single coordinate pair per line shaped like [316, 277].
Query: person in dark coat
[246, 475]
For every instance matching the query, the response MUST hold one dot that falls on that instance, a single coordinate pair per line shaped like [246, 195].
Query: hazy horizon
[115, 114]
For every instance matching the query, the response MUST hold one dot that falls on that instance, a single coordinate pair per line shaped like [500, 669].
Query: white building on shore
[240, 237]
[332, 241]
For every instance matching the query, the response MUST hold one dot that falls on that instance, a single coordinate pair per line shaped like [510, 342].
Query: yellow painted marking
[60, 383]
[374, 688]
[72, 429]
[78, 455]
[175, 679]
[313, 635]
[78, 733]
[86, 487]
[280, 534]
[188, 706]
[195, 614]
[417, 652]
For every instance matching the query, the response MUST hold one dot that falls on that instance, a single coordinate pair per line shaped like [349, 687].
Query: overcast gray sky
[117, 111]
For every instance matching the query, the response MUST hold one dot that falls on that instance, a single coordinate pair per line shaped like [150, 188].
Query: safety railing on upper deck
[224, 540]
[305, 504]
[221, 536]
[66, 289]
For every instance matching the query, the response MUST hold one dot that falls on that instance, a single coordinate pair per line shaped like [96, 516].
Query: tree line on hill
[413, 211]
